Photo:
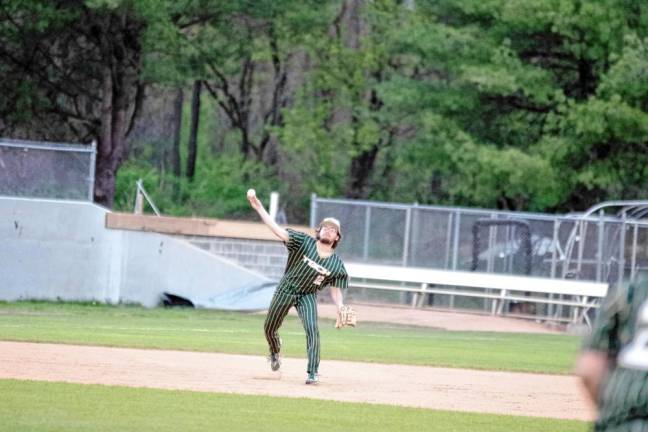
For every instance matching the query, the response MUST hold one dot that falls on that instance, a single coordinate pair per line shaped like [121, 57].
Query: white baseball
[251, 193]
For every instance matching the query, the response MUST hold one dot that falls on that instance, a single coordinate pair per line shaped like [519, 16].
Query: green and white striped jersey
[621, 330]
[307, 272]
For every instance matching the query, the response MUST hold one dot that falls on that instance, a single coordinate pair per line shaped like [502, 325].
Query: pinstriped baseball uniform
[306, 273]
[623, 398]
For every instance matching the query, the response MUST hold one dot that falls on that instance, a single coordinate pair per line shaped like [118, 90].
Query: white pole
[139, 199]
[93, 161]
[274, 204]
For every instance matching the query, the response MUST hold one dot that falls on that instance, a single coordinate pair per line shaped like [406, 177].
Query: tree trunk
[362, 165]
[193, 132]
[355, 24]
[112, 139]
[83, 73]
[361, 169]
[118, 84]
[177, 127]
[104, 192]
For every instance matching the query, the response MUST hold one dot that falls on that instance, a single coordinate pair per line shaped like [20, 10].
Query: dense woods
[507, 104]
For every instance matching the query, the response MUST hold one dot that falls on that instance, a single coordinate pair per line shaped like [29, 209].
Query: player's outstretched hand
[254, 201]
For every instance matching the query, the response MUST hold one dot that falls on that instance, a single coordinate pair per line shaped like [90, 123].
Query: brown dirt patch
[437, 388]
[425, 387]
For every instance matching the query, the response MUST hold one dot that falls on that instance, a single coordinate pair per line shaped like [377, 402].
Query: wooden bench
[582, 295]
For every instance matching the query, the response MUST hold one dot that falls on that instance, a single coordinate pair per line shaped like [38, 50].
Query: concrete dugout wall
[55, 249]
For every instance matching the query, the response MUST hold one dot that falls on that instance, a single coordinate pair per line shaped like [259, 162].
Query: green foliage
[628, 76]
[544, 109]
[312, 155]
[604, 146]
[221, 180]
[462, 172]
[529, 105]
[218, 189]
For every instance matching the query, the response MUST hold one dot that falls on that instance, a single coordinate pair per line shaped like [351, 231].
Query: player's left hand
[346, 317]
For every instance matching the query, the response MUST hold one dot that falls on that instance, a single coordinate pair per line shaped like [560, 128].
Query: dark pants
[306, 305]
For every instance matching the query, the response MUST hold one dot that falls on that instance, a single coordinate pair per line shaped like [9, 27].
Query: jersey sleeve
[603, 334]
[295, 239]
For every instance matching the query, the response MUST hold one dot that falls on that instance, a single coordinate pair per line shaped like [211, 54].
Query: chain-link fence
[600, 247]
[46, 170]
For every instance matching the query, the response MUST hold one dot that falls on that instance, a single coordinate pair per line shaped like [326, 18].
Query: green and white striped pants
[306, 305]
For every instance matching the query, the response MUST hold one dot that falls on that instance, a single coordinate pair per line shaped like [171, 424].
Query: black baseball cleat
[275, 361]
[312, 378]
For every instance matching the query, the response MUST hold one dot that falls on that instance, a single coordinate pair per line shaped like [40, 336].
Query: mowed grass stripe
[30, 406]
[240, 333]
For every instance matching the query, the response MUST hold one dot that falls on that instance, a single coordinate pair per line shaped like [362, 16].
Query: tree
[193, 130]
[243, 55]
[512, 104]
[74, 72]
[520, 104]
[340, 124]
[177, 121]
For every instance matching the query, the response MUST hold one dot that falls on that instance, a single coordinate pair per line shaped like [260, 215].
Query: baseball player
[312, 265]
[614, 362]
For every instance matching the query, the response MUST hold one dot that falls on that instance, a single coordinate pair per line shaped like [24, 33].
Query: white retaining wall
[54, 249]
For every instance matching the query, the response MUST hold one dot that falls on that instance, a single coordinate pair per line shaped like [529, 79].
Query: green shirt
[623, 399]
[307, 272]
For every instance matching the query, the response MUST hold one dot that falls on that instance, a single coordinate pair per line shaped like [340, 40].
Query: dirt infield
[438, 388]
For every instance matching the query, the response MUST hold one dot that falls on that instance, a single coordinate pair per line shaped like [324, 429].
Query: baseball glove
[346, 317]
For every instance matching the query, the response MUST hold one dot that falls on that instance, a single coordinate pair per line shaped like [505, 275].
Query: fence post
[313, 210]
[274, 205]
[139, 199]
[448, 241]
[635, 233]
[406, 240]
[93, 161]
[622, 248]
[581, 247]
[455, 243]
[490, 262]
[406, 236]
[554, 251]
[599, 252]
[367, 232]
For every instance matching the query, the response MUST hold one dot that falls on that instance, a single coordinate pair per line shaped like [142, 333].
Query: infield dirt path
[438, 388]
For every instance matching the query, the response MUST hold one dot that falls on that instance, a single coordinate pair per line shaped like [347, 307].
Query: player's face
[328, 234]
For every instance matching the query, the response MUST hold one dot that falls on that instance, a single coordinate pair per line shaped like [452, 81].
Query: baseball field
[78, 367]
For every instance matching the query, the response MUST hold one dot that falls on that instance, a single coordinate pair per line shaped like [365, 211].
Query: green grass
[229, 332]
[29, 406]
